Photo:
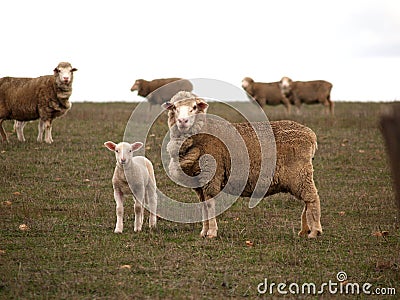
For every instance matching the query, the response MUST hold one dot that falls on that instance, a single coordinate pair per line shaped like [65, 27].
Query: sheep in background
[139, 172]
[295, 148]
[44, 98]
[170, 86]
[307, 92]
[265, 93]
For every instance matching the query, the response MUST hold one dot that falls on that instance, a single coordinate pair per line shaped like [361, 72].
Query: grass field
[63, 193]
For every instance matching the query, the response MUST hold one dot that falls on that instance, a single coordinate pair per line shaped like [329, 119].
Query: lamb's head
[64, 73]
[246, 82]
[285, 84]
[136, 85]
[185, 110]
[123, 151]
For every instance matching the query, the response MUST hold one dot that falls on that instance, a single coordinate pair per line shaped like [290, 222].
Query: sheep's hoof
[211, 233]
[304, 232]
[314, 234]
[137, 229]
[203, 233]
[117, 231]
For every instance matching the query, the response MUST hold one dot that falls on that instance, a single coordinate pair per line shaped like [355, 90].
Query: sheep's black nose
[183, 120]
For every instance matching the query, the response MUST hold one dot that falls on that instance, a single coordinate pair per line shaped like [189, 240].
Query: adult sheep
[307, 92]
[44, 98]
[189, 144]
[265, 93]
[156, 96]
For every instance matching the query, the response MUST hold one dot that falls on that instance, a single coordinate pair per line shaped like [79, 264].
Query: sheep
[153, 92]
[133, 175]
[44, 98]
[265, 93]
[308, 92]
[295, 148]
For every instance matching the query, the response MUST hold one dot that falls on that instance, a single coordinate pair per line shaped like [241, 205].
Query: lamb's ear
[201, 104]
[74, 69]
[56, 70]
[136, 146]
[110, 145]
[167, 105]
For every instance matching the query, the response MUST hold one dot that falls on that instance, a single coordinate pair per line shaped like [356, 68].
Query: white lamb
[133, 175]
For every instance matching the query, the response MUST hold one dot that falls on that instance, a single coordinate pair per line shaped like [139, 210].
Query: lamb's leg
[138, 216]
[119, 201]
[19, 128]
[48, 138]
[151, 200]
[40, 131]
[2, 132]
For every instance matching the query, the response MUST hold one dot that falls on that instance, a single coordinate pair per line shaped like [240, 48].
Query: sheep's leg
[204, 213]
[151, 200]
[2, 132]
[305, 229]
[312, 210]
[212, 221]
[47, 136]
[19, 128]
[119, 201]
[40, 131]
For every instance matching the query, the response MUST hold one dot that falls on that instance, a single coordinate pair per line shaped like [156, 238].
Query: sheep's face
[183, 112]
[64, 73]
[123, 151]
[246, 82]
[285, 84]
[136, 85]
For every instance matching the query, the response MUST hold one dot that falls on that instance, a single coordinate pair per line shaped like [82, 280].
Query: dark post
[390, 127]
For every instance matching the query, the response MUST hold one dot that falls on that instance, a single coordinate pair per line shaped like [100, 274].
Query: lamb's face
[123, 151]
[285, 84]
[185, 111]
[246, 82]
[64, 73]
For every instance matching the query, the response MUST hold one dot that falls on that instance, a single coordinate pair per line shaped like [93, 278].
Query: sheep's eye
[116, 150]
[130, 151]
[194, 107]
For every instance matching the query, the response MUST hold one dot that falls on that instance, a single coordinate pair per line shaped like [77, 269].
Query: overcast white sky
[355, 44]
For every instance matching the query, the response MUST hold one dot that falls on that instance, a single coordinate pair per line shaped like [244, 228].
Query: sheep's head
[123, 151]
[64, 73]
[136, 85]
[246, 82]
[184, 111]
[285, 84]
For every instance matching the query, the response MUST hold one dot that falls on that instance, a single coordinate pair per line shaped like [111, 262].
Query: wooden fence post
[390, 128]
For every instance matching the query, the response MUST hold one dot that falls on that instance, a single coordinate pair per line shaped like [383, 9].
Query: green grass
[63, 193]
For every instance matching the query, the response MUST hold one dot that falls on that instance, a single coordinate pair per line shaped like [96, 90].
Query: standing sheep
[295, 148]
[265, 93]
[133, 176]
[308, 92]
[170, 86]
[44, 98]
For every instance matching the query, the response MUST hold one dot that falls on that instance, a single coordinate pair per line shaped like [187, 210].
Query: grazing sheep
[295, 148]
[265, 93]
[44, 98]
[308, 92]
[148, 89]
[133, 175]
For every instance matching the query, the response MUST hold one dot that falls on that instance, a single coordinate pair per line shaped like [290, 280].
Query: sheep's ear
[56, 70]
[201, 104]
[110, 145]
[74, 69]
[136, 146]
[167, 105]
